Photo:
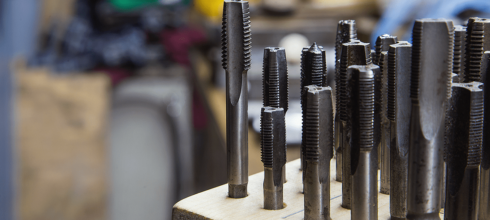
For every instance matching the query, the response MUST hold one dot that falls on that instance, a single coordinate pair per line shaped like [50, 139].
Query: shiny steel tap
[346, 31]
[273, 143]
[236, 48]
[430, 89]
[464, 128]
[363, 158]
[318, 121]
[399, 111]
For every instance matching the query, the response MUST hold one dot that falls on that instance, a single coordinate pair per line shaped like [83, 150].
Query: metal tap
[382, 46]
[275, 78]
[353, 53]
[399, 111]
[459, 52]
[273, 143]
[236, 48]
[313, 72]
[383, 43]
[275, 83]
[484, 213]
[318, 129]
[477, 42]
[346, 31]
[363, 157]
[430, 89]
[464, 127]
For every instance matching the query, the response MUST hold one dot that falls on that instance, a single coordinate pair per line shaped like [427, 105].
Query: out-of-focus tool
[399, 111]
[236, 48]
[464, 128]
[382, 46]
[318, 151]
[346, 31]
[430, 88]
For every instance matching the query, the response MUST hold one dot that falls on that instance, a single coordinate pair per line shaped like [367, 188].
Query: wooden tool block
[215, 203]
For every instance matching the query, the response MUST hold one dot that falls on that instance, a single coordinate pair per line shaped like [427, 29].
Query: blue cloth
[399, 12]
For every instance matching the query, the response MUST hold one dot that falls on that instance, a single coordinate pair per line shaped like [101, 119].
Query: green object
[128, 5]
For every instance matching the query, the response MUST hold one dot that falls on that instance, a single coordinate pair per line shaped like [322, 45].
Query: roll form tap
[236, 49]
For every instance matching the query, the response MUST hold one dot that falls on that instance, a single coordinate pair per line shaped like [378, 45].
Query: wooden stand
[215, 204]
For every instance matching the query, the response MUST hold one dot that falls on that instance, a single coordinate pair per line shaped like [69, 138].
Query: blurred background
[115, 109]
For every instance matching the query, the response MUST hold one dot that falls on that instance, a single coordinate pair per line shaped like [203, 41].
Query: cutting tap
[353, 53]
[363, 158]
[477, 42]
[318, 129]
[346, 31]
[275, 83]
[273, 143]
[484, 213]
[459, 52]
[236, 49]
[430, 89]
[463, 142]
[399, 111]
[313, 72]
[382, 46]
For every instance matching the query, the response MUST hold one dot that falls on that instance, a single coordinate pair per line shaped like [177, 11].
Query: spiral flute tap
[236, 48]
[477, 42]
[353, 53]
[484, 211]
[273, 145]
[346, 31]
[313, 72]
[459, 52]
[464, 127]
[318, 152]
[430, 89]
[399, 110]
[383, 43]
[363, 157]
[275, 85]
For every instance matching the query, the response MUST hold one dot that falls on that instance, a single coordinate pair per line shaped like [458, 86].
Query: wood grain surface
[215, 204]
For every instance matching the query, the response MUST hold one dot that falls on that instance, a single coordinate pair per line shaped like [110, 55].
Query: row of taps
[413, 110]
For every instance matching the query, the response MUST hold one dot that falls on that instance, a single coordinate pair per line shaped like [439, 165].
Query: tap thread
[267, 139]
[247, 36]
[416, 59]
[459, 51]
[366, 112]
[476, 131]
[392, 84]
[312, 128]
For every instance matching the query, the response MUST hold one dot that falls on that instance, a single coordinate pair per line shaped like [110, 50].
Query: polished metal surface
[318, 152]
[236, 48]
[463, 142]
[353, 53]
[273, 146]
[346, 31]
[430, 89]
[313, 72]
[363, 157]
[399, 111]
